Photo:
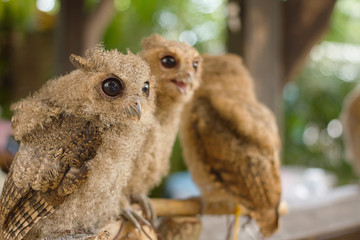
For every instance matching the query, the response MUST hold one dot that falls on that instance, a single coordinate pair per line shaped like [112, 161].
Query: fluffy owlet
[176, 68]
[230, 142]
[350, 118]
[78, 137]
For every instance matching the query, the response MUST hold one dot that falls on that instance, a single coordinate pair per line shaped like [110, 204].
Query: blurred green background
[312, 102]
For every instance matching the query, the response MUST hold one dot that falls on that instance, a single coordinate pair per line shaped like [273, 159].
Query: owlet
[231, 143]
[176, 67]
[78, 137]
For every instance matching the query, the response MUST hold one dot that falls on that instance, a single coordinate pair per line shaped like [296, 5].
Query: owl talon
[135, 219]
[146, 205]
[142, 219]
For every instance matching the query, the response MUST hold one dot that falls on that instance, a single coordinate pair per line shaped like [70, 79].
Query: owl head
[175, 65]
[113, 87]
[226, 72]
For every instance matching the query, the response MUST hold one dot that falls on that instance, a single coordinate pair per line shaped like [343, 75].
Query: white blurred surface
[301, 184]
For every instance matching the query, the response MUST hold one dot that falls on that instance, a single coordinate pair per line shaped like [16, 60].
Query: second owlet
[231, 144]
[176, 68]
[78, 136]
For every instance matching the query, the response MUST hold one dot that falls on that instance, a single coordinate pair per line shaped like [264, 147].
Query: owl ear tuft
[80, 62]
[152, 41]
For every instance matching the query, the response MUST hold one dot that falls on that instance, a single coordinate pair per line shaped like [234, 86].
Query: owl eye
[195, 65]
[146, 89]
[168, 61]
[112, 87]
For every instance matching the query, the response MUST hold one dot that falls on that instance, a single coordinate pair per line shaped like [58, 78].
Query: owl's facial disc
[184, 76]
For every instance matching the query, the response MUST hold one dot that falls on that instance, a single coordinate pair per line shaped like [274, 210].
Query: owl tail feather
[267, 219]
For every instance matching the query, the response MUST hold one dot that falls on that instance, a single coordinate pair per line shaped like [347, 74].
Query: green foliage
[136, 19]
[311, 102]
[345, 22]
[17, 14]
[315, 98]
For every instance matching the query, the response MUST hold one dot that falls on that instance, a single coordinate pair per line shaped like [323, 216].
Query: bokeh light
[122, 5]
[167, 19]
[207, 6]
[188, 37]
[45, 5]
[207, 31]
[311, 135]
[334, 128]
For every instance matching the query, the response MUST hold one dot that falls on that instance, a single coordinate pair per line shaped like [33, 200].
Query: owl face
[113, 86]
[176, 65]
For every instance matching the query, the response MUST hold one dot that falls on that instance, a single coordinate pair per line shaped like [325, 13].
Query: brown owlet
[176, 68]
[231, 143]
[78, 137]
[350, 118]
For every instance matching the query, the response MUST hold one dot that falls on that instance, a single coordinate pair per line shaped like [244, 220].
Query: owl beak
[181, 86]
[135, 110]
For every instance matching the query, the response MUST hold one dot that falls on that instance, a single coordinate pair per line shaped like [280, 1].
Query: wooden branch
[193, 206]
[304, 24]
[172, 207]
[69, 33]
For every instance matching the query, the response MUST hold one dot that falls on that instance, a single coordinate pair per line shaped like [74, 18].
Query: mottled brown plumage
[78, 136]
[52, 174]
[176, 67]
[350, 118]
[231, 143]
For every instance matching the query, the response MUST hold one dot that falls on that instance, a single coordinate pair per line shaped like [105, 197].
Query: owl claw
[135, 219]
[146, 205]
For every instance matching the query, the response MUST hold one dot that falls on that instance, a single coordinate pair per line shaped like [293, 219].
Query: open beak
[135, 110]
[182, 84]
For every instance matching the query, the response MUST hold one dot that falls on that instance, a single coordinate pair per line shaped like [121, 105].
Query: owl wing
[49, 166]
[241, 147]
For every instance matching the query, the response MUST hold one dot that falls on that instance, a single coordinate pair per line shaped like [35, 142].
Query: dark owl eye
[168, 61]
[146, 89]
[112, 87]
[195, 65]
